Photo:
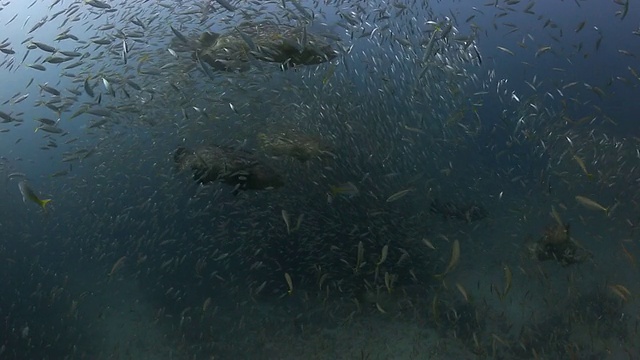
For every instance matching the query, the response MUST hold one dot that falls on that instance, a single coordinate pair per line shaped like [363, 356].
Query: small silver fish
[108, 87]
[50, 129]
[399, 195]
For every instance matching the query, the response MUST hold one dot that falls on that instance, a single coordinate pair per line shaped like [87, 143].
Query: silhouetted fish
[265, 41]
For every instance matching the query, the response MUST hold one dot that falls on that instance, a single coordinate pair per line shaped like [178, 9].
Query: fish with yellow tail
[583, 166]
[453, 262]
[28, 194]
[347, 189]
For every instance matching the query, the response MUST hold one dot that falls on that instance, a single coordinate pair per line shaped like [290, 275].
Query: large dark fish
[466, 212]
[230, 166]
[265, 41]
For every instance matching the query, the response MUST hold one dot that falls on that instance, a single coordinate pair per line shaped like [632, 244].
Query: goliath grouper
[234, 167]
[299, 146]
[267, 41]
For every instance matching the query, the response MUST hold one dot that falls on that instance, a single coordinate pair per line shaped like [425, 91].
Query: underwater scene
[319, 179]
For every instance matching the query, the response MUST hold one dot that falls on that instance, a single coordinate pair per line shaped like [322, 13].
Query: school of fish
[233, 178]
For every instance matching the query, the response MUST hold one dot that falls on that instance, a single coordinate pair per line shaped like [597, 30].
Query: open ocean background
[524, 110]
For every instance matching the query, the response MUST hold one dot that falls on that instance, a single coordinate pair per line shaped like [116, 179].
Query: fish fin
[43, 203]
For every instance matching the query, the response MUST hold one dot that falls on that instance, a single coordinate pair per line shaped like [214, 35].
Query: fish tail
[43, 203]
